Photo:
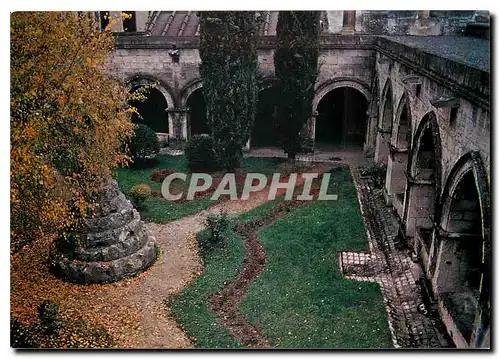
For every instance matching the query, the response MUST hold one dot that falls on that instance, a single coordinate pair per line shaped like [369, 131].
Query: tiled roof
[186, 23]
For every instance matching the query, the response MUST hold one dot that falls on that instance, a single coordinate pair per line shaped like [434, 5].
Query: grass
[301, 299]
[159, 210]
[189, 307]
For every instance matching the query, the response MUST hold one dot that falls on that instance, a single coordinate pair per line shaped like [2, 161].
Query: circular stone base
[81, 272]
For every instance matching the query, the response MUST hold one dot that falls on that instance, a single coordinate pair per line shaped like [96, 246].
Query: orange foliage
[69, 122]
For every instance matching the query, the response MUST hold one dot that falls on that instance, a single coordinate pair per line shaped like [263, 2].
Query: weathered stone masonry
[428, 120]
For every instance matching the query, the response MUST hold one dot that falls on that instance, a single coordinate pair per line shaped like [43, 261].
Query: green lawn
[189, 307]
[301, 299]
[158, 209]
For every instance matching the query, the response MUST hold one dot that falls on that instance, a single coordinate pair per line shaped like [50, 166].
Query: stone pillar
[419, 205]
[371, 132]
[113, 244]
[382, 145]
[311, 126]
[349, 22]
[396, 178]
[178, 126]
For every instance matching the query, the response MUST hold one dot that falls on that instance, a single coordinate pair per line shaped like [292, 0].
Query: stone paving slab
[390, 265]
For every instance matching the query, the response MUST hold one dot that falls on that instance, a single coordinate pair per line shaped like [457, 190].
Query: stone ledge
[132, 243]
[112, 220]
[111, 236]
[108, 271]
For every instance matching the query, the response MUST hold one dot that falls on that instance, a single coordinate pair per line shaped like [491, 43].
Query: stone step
[110, 236]
[106, 271]
[112, 220]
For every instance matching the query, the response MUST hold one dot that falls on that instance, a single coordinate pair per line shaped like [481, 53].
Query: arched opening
[403, 136]
[152, 110]
[197, 113]
[385, 126]
[425, 168]
[371, 136]
[460, 263]
[423, 185]
[265, 131]
[341, 119]
[398, 160]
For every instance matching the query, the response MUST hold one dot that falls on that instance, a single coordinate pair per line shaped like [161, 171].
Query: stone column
[349, 22]
[177, 125]
[371, 133]
[382, 145]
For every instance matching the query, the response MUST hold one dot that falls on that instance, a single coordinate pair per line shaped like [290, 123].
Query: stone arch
[423, 185]
[428, 126]
[188, 89]
[145, 79]
[398, 160]
[401, 136]
[384, 123]
[462, 264]
[469, 162]
[333, 84]
[386, 107]
[340, 118]
[154, 109]
[193, 102]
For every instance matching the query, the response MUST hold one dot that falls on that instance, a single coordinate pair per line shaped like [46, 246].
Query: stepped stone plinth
[113, 244]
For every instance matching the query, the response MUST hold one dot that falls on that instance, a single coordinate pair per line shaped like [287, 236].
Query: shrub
[144, 144]
[160, 175]
[70, 334]
[216, 224]
[48, 311]
[139, 193]
[200, 153]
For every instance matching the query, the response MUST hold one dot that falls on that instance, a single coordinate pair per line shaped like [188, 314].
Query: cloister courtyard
[367, 228]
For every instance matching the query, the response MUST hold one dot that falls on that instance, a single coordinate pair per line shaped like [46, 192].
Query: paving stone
[392, 269]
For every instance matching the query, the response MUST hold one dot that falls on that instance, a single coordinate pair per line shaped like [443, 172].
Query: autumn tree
[296, 66]
[229, 73]
[69, 122]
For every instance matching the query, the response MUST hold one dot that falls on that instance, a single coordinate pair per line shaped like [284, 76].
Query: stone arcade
[419, 104]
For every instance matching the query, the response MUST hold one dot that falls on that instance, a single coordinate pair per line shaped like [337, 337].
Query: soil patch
[225, 303]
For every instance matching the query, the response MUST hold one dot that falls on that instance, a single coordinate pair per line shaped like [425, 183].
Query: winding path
[132, 310]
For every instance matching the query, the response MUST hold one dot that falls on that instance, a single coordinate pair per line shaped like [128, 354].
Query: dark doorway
[198, 123]
[152, 110]
[341, 119]
[265, 129]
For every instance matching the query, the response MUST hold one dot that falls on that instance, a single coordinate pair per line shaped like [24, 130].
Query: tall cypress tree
[229, 73]
[296, 65]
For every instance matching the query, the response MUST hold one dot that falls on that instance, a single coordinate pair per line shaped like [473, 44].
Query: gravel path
[132, 310]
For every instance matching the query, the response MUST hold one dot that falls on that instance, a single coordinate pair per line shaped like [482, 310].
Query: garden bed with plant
[155, 208]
